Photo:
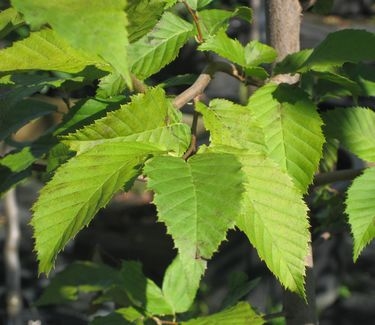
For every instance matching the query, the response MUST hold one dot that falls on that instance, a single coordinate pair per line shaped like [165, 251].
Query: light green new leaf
[274, 218]
[197, 200]
[360, 207]
[226, 47]
[226, 128]
[78, 277]
[257, 53]
[149, 117]
[240, 314]
[45, 50]
[95, 26]
[160, 46]
[110, 85]
[292, 129]
[143, 292]
[181, 282]
[65, 206]
[211, 20]
[354, 128]
[335, 50]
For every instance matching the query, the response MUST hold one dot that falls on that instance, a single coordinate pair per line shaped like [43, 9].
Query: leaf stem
[195, 17]
[274, 315]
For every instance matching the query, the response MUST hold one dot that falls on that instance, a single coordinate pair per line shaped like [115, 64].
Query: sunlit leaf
[360, 207]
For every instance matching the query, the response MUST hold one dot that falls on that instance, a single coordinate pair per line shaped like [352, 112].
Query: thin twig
[198, 87]
[336, 176]
[193, 144]
[196, 21]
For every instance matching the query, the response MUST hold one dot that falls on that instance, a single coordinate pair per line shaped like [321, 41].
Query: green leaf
[78, 277]
[143, 16]
[132, 122]
[45, 50]
[360, 207]
[197, 200]
[160, 46]
[274, 218]
[16, 165]
[10, 19]
[110, 85]
[354, 128]
[226, 47]
[257, 53]
[93, 26]
[363, 75]
[181, 282]
[239, 286]
[86, 111]
[222, 119]
[323, 7]
[292, 62]
[336, 50]
[211, 20]
[14, 117]
[64, 207]
[143, 292]
[197, 4]
[240, 314]
[292, 129]
[122, 316]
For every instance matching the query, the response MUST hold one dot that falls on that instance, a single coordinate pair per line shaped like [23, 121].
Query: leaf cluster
[260, 161]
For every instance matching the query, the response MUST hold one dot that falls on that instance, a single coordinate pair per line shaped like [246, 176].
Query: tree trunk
[283, 34]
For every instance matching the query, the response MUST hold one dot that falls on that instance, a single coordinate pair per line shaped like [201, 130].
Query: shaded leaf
[239, 286]
[122, 316]
[292, 129]
[78, 277]
[335, 50]
[64, 207]
[143, 292]
[292, 62]
[360, 207]
[160, 46]
[240, 314]
[354, 128]
[21, 113]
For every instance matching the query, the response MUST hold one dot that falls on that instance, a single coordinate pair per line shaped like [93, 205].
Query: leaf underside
[197, 200]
